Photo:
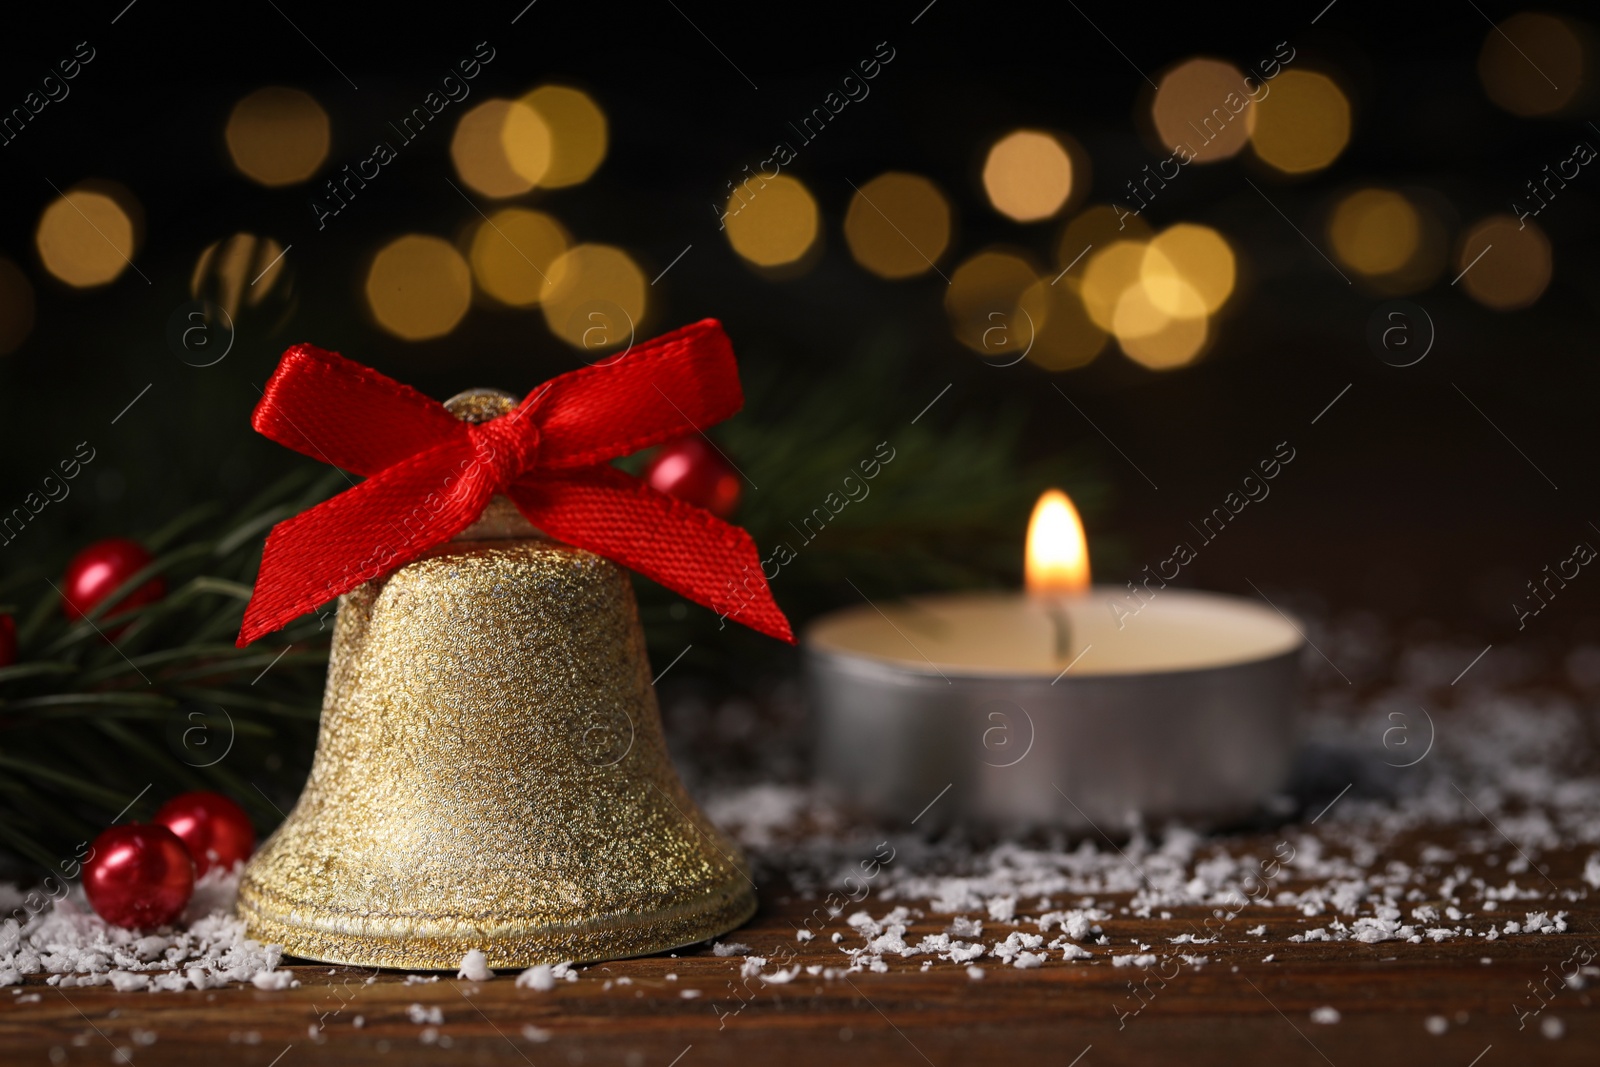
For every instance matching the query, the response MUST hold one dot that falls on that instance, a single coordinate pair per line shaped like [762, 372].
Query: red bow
[429, 475]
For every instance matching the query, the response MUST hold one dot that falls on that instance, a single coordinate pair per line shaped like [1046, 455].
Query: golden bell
[491, 773]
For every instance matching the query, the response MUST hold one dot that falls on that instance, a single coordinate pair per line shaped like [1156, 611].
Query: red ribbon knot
[430, 475]
[507, 447]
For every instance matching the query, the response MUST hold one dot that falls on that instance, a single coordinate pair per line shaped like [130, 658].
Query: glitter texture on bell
[491, 772]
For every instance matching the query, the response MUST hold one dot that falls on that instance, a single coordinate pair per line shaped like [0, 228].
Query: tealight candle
[1049, 707]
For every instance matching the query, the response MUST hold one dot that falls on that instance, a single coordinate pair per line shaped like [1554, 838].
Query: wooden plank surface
[1234, 1009]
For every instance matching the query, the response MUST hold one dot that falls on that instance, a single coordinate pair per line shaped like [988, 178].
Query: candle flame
[1057, 558]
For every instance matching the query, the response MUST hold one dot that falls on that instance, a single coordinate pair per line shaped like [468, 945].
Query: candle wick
[1062, 627]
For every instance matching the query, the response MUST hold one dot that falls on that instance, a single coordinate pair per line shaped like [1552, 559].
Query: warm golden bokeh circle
[1200, 259]
[1507, 263]
[1167, 290]
[512, 253]
[16, 307]
[577, 137]
[1065, 338]
[898, 225]
[1204, 105]
[85, 238]
[501, 148]
[772, 222]
[1532, 64]
[984, 302]
[1158, 295]
[1028, 175]
[1303, 124]
[1112, 270]
[1174, 343]
[595, 299]
[526, 142]
[1095, 228]
[1374, 231]
[278, 136]
[418, 287]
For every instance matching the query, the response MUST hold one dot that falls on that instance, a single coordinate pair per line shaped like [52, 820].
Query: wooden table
[1235, 1009]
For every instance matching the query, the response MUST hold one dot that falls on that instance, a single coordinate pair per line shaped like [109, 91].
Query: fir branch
[94, 711]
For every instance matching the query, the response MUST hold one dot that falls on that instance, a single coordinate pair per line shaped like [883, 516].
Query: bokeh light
[16, 307]
[512, 254]
[774, 221]
[1065, 337]
[1188, 259]
[1303, 124]
[1111, 272]
[85, 237]
[1507, 263]
[595, 297]
[1095, 227]
[898, 225]
[238, 271]
[278, 136]
[1374, 231]
[1157, 296]
[501, 148]
[1203, 104]
[577, 138]
[419, 287]
[1394, 242]
[1532, 64]
[984, 302]
[1162, 343]
[1028, 175]
[1161, 295]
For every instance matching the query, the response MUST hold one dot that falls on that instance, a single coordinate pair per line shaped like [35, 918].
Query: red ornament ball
[138, 876]
[695, 472]
[8, 640]
[215, 830]
[100, 570]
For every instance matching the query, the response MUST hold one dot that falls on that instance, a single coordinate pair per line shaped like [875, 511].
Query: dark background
[1403, 498]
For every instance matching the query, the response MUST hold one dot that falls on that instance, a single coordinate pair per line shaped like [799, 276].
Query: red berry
[100, 570]
[216, 831]
[138, 876]
[695, 472]
[8, 640]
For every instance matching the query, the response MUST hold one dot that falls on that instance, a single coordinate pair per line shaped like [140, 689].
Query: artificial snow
[419, 1014]
[278, 980]
[475, 967]
[537, 977]
[75, 947]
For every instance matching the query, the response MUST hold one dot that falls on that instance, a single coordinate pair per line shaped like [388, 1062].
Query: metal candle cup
[1182, 711]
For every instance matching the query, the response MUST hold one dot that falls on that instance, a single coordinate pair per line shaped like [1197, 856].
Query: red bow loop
[429, 475]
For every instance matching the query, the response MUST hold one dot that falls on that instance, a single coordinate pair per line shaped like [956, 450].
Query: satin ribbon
[429, 475]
